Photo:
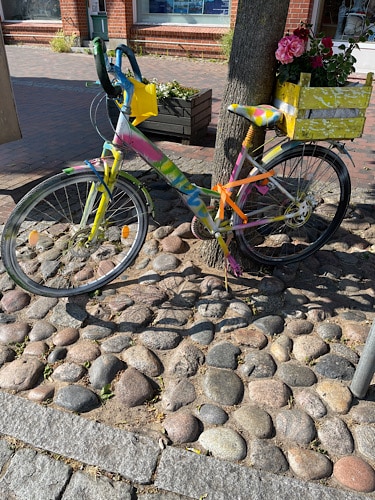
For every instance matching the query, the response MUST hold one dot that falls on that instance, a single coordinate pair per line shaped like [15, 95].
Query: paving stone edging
[83, 440]
[139, 459]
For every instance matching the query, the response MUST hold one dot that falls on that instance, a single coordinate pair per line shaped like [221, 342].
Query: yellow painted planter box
[318, 113]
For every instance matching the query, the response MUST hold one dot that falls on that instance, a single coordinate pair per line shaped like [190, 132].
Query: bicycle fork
[102, 208]
[104, 186]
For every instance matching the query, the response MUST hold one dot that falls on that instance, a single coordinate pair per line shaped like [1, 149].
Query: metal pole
[366, 366]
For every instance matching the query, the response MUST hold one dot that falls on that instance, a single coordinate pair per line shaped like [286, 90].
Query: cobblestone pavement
[256, 377]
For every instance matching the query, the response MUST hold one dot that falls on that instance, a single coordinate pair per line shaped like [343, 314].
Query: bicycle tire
[315, 176]
[46, 253]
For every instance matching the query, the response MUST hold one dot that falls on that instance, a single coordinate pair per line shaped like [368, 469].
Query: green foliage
[62, 42]
[341, 65]
[226, 43]
[106, 393]
[19, 347]
[47, 372]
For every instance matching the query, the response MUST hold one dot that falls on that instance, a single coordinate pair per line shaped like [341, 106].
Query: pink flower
[283, 55]
[289, 47]
[317, 62]
[297, 46]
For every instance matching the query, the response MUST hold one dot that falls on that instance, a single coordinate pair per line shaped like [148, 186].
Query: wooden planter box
[186, 119]
[318, 113]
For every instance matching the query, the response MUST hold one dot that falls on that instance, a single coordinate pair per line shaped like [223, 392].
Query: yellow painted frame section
[296, 101]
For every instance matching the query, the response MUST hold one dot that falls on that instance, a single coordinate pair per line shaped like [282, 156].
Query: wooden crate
[318, 113]
[187, 119]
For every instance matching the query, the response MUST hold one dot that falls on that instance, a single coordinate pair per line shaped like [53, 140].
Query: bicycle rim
[46, 250]
[319, 183]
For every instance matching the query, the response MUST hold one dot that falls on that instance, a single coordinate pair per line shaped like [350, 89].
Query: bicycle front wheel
[319, 183]
[48, 249]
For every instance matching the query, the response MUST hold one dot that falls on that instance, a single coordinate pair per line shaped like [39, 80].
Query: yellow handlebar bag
[144, 103]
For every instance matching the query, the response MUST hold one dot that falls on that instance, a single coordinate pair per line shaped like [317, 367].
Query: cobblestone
[150, 348]
[300, 316]
[355, 473]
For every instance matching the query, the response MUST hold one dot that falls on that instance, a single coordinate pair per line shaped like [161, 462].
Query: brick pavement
[53, 106]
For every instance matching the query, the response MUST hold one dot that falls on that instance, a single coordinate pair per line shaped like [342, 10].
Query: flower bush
[305, 52]
[168, 89]
[173, 89]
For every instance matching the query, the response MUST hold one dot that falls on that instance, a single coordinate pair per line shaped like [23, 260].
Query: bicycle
[80, 229]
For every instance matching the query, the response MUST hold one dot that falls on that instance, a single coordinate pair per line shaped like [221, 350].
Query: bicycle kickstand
[230, 261]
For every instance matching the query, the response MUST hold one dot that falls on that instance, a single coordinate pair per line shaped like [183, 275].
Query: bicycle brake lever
[92, 84]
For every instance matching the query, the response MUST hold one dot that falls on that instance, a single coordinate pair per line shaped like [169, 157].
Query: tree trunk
[251, 77]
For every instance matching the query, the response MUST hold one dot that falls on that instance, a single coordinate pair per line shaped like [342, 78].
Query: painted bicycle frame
[127, 134]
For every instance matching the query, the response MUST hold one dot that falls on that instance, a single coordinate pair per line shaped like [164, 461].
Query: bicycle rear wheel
[319, 181]
[46, 250]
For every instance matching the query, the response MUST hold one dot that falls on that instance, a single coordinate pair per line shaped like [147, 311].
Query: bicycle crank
[199, 230]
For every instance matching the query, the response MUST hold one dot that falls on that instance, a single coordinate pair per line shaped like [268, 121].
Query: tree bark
[251, 77]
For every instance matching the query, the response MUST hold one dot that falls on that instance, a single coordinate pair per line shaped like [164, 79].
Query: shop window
[39, 10]
[344, 19]
[207, 12]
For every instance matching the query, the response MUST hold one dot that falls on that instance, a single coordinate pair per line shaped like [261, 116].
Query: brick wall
[190, 41]
[32, 33]
[120, 18]
[73, 20]
[178, 40]
[298, 11]
[233, 13]
[74, 17]
[198, 41]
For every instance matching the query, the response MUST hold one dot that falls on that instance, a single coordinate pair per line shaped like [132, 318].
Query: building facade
[174, 27]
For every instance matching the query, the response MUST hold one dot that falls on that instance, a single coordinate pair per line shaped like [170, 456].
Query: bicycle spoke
[51, 252]
[320, 186]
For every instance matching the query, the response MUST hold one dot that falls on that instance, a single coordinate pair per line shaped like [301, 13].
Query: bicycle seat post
[248, 141]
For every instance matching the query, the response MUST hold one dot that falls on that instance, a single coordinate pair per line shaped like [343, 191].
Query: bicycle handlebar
[103, 66]
[124, 49]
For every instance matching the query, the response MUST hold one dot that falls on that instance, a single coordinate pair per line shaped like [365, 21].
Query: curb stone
[180, 474]
[83, 440]
[196, 476]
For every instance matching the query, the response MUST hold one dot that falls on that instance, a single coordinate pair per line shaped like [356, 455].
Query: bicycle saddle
[263, 115]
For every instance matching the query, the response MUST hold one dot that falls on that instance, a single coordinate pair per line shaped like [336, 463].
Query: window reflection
[220, 7]
[344, 19]
[18, 10]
